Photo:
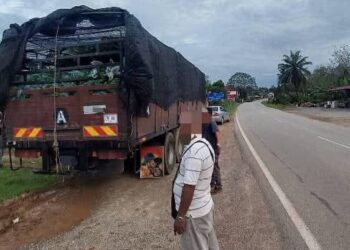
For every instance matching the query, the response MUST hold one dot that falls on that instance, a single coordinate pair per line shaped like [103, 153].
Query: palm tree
[292, 71]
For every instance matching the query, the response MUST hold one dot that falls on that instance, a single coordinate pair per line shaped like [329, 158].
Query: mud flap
[83, 158]
[46, 159]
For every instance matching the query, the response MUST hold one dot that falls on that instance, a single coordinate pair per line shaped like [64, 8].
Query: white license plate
[110, 118]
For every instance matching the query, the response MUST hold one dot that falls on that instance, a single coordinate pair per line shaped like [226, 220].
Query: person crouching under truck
[194, 215]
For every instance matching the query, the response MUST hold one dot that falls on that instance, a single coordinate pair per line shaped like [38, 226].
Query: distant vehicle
[220, 115]
[249, 99]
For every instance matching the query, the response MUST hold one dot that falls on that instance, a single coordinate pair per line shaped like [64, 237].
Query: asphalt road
[310, 160]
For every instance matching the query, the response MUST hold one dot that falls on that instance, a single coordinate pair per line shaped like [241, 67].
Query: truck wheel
[178, 145]
[222, 121]
[169, 153]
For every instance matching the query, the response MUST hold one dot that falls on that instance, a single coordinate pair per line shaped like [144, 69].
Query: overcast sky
[222, 37]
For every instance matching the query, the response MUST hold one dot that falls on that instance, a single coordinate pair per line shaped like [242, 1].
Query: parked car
[220, 115]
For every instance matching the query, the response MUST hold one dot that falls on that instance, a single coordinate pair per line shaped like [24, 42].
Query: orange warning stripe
[100, 131]
[28, 132]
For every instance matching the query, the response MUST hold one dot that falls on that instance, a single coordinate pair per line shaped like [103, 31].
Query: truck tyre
[83, 158]
[169, 153]
[178, 145]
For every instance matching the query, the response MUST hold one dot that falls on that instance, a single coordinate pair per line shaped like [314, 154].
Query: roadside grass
[27, 163]
[275, 105]
[229, 106]
[15, 183]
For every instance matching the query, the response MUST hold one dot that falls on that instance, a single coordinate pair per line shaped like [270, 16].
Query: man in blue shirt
[210, 131]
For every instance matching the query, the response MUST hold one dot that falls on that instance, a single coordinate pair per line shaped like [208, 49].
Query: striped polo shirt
[196, 169]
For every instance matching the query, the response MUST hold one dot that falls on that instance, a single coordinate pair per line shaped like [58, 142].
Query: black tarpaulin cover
[153, 71]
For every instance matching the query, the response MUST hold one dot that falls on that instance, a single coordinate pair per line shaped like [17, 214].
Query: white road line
[334, 142]
[303, 229]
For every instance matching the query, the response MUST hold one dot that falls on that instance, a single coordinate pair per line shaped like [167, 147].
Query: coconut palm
[293, 71]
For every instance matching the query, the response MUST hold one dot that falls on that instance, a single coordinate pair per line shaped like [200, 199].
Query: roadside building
[232, 93]
[343, 94]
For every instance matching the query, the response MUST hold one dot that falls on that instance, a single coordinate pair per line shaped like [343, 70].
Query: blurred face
[206, 117]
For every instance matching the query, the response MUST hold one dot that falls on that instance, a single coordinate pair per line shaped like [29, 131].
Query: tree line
[296, 84]
[242, 82]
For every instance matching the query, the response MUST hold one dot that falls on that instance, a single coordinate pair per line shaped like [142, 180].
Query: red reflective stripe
[85, 133]
[18, 132]
[15, 131]
[114, 129]
[40, 133]
[27, 133]
[100, 131]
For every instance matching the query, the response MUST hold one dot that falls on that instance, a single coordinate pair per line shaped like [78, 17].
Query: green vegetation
[27, 163]
[275, 105]
[241, 79]
[14, 183]
[296, 84]
[293, 72]
[244, 83]
[218, 86]
[229, 106]
[241, 82]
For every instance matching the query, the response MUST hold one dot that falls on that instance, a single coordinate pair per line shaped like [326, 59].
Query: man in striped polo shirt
[195, 220]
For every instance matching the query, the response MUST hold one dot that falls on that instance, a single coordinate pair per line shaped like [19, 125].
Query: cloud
[8, 6]
[222, 37]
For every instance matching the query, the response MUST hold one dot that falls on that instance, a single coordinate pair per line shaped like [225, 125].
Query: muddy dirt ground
[123, 212]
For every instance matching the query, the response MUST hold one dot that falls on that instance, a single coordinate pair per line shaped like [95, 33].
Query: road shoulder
[135, 214]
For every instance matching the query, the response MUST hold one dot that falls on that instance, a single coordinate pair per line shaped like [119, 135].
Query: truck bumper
[106, 149]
